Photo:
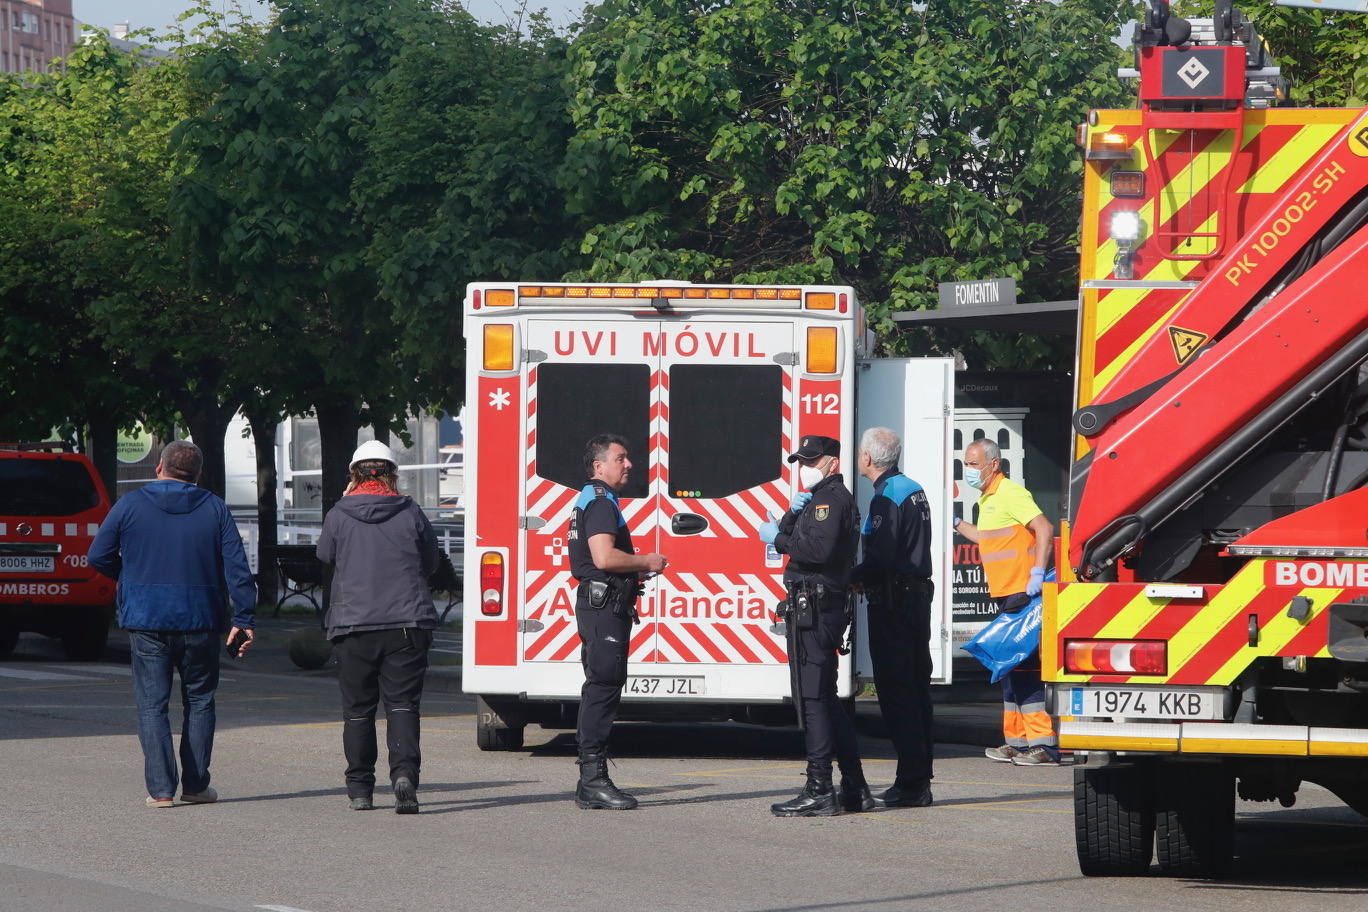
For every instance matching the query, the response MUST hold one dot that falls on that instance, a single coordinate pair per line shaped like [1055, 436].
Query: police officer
[820, 533]
[609, 572]
[895, 574]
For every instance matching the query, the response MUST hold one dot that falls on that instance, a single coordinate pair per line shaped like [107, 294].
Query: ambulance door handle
[688, 523]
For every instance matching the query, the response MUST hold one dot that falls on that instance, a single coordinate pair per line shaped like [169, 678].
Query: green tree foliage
[882, 144]
[96, 323]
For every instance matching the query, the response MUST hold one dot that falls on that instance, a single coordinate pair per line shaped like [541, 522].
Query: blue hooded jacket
[171, 545]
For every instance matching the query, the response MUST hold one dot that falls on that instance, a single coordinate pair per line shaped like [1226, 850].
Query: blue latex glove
[769, 531]
[1037, 581]
[799, 501]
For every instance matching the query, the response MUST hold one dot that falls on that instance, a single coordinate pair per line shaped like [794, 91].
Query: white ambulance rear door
[725, 427]
[583, 375]
[915, 397]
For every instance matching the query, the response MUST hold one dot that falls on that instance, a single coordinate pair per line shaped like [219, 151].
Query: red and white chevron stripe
[693, 616]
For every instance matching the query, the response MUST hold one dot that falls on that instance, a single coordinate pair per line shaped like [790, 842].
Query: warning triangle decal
[1186, 342]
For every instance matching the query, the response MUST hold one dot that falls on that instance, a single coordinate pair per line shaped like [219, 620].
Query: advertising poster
[1027, 415]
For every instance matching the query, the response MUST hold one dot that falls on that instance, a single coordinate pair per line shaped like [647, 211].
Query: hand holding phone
[238, 638]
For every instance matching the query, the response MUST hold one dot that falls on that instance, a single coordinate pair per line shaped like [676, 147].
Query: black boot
[595, 790]
[917, 795]
[817, 799]
[855, 795]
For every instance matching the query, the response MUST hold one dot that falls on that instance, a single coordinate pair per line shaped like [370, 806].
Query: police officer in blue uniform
[895, 575]
[609, 571]
[820, 533]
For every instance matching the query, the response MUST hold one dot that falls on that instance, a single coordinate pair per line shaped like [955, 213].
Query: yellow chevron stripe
[1117, 302]
[1222, 608]
[1271, 175]
[1127, 622]
[1073, 599]
[1108, 373]
[1274, 636]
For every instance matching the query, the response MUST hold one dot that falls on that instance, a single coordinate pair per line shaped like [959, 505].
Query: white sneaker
[159, 802]
[208, 796]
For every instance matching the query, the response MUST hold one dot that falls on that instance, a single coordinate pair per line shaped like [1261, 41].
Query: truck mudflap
[1213, 739]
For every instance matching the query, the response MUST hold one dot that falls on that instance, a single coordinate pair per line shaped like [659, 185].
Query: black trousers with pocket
[373, 665]
[900, 650]
[604, 639]
[830, 730]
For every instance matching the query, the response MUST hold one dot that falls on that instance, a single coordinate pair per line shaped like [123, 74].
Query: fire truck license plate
[1138, 703]
[666, 687]
[27, 563]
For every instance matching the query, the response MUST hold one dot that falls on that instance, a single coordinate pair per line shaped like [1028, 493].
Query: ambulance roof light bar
[666, 297]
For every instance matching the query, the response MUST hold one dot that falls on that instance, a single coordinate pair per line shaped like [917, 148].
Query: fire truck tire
[9, 638]
[83, 638]
[1194, 819]
[1114, 819]
[493, 730]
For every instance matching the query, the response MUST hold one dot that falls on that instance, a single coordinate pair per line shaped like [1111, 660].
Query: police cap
[813, 445]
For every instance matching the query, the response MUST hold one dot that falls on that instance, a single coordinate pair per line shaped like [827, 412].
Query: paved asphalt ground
[499, 831]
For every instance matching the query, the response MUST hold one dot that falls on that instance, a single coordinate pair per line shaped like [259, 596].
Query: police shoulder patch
[823, 510]
[875, 521]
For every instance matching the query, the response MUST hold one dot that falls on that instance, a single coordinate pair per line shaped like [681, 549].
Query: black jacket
[382, 550]
[821, 540]
[897, 532]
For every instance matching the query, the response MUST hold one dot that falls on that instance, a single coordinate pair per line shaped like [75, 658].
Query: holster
[803, 605]
[623, 594]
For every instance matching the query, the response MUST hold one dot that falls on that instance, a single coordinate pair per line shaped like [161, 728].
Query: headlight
[1125, 227]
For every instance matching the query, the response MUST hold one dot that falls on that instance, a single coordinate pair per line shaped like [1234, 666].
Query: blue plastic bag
[1009, 639]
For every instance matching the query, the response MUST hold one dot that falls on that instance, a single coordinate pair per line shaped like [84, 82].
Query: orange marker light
[499, 297]
[820, 300]
[821, 350]
[498, 347]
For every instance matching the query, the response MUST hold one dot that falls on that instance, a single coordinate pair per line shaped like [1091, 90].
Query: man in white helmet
[380, 619]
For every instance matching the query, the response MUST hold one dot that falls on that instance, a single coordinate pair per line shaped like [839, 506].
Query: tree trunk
[104, 452]
[264, 422]
[338, 422]
[207, 422]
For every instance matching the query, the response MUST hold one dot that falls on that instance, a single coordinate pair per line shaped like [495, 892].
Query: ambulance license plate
[25, 563]
[654, 686]
[1145, 703]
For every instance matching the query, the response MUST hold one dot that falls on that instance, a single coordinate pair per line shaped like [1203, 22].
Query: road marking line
[280, 909]
[27, 675]
[121, 670]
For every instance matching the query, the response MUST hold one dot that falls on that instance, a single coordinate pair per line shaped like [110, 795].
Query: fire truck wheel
[1194, 819]
[83, 639]
[9, 638]
[1114, 819]
[494, 730]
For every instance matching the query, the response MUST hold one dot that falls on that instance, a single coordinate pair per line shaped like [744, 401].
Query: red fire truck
[1207, 637]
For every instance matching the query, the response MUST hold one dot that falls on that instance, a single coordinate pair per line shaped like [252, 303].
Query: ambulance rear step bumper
[1213, 739]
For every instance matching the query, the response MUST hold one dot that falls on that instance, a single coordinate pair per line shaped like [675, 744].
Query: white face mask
[810, 476]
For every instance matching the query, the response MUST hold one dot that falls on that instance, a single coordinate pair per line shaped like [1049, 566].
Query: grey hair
[989, 449]
[882, 445]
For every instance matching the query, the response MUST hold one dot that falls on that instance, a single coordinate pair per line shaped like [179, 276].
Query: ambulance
[712, 385]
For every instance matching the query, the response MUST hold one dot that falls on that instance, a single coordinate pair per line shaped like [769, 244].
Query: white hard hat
[371, 449]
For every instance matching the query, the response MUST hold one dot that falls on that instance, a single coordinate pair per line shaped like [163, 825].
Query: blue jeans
[156, 655]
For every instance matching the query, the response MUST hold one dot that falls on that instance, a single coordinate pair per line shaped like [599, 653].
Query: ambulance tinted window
[45, 487]
[577, 401]
[725, 425]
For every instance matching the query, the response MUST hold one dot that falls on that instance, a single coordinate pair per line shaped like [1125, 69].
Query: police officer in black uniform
[609, 571]
[895, 575]
[820, 533]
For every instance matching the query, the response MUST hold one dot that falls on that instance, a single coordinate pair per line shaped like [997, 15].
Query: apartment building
[33, 32]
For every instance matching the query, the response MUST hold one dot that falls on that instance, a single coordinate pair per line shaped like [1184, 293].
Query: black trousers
[900, 648]
[375, 665]
[604, 639]
[830, 728]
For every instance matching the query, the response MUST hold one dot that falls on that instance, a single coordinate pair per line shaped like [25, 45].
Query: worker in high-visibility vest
[1015, 541]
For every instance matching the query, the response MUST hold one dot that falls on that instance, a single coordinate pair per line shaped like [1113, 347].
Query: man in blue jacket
[171, 545]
